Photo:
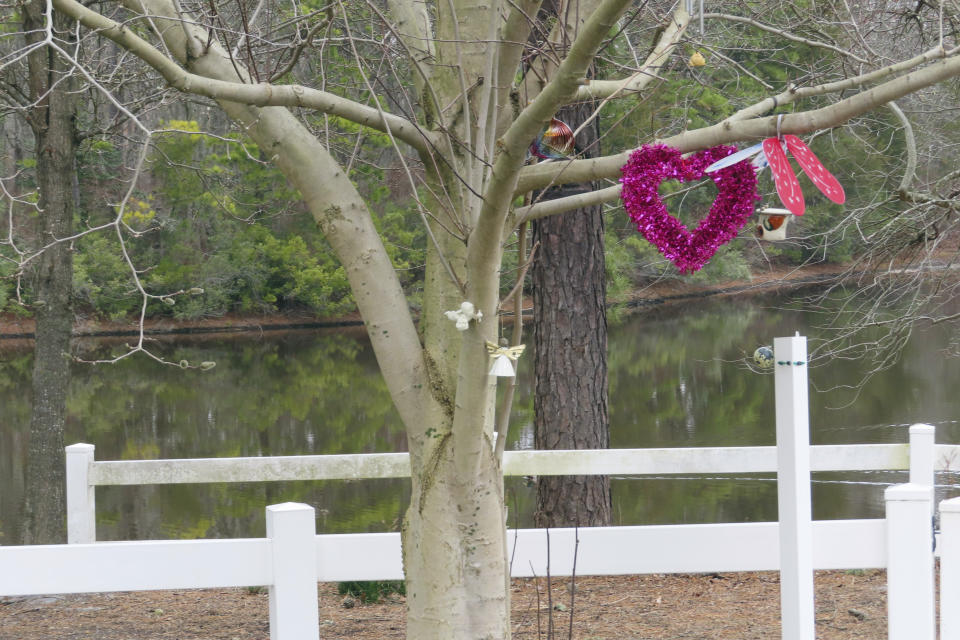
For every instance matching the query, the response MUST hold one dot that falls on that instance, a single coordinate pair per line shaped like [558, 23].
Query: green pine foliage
[6, 283]
[101, 279]
[214, 215]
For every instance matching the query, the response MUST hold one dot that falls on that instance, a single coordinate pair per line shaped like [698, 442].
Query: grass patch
[372, 591]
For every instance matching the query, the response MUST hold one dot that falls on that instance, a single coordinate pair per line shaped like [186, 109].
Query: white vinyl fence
[288, 561]
[84, 472]
[795, 551]
[292, 559]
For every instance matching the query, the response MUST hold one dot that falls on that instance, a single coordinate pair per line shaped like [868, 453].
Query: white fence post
[922, 462]
[910, 583]
[922, 454]
[294, 614]
[81, 505]
[793, 489]
[949, 568]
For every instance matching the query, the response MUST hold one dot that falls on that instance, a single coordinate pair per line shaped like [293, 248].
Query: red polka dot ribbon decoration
[687, 250]
[788, 188]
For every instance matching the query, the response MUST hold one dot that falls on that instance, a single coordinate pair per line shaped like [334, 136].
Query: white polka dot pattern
[787, 186]
[815, 170]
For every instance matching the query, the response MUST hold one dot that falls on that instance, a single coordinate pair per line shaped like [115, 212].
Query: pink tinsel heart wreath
[689, 251]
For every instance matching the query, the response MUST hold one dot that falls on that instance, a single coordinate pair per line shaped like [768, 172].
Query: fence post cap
[908, 492]
[80, 447]
[289, 506]
[921, 428]
[952, 505]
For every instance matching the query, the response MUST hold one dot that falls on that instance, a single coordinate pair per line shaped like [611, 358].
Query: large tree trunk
[52, 121]
[454, 545]
[455, 550]
[570, 343]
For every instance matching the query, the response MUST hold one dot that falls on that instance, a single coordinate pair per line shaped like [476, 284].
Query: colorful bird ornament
[788, 188]
[555, 143]
[773, 224]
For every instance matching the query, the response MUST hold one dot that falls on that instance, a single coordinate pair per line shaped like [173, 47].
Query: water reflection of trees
[16, 368]
[674, 381]
[297, 395]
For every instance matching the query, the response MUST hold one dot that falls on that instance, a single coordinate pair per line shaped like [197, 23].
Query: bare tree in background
[904, 271]
[50, 108]
[460, 94]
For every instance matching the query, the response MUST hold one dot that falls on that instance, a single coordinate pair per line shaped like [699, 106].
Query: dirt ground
[740, 606]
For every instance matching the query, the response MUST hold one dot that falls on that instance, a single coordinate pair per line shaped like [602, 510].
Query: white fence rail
[292, 559]
[608, 551]
[285, 560]
[197, 564]
[851, 457]
[84, 472]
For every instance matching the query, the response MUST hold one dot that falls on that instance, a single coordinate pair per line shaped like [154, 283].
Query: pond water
[676, 380]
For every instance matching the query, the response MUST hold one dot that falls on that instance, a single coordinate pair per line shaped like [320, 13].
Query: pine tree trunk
[53, 126]
[570, 340]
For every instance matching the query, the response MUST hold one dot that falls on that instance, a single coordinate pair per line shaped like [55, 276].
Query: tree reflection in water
[676, 380]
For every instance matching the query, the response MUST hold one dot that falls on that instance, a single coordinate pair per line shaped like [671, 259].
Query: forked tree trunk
[570, 343]
[454, 534]
[44, 506]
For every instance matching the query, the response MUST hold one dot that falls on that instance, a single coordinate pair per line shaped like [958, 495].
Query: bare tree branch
[792, 94]
[340, 211]
[546, 208]
[785, 34]
[513, 144]
[260, 94]
[668, 40]
[414, 28]
[576, 171]
[910, 170]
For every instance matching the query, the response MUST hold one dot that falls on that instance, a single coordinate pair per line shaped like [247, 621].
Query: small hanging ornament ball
[697, 60]
[763, 357]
